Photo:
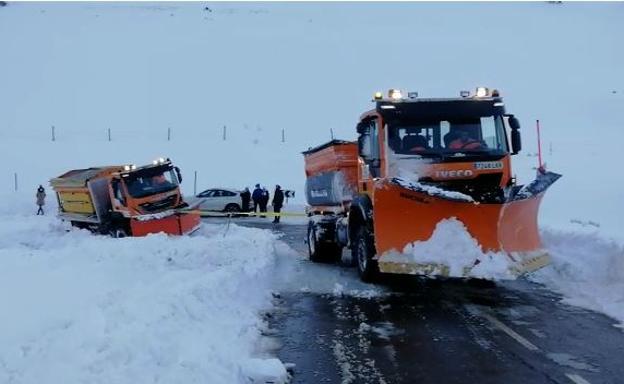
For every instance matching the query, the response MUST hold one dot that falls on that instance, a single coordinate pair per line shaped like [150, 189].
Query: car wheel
[232, 208]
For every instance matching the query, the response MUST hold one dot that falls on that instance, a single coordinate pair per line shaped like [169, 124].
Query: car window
[207, 193]
[228, 193]
[217, 193]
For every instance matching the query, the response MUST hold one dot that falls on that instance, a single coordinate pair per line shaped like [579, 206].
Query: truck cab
[460, 144]
[146, 190]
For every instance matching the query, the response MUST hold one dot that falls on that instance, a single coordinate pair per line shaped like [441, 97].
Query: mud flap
[407, 212]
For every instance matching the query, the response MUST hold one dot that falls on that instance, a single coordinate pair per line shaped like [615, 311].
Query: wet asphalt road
[442, 332]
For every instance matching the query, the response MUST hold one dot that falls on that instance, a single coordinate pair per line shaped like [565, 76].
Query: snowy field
[167, 78]
[79, 308]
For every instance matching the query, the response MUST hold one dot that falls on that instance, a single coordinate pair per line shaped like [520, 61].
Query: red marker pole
[539, 147]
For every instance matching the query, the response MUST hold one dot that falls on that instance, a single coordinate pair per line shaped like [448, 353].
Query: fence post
[224, 132]
[283, 136]
[331, 133]
[109, 134]
[168, 133]
[53, 134]
[195, 185]
[15, 180]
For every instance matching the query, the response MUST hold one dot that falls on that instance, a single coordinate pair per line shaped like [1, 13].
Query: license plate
[489, 165]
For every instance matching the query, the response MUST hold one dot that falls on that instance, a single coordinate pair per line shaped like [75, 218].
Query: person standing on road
[245, 199]
[41, 195]
[264, 200]
[278, 202]
[256, 197]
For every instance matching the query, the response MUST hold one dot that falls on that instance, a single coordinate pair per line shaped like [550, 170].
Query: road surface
[413, 331]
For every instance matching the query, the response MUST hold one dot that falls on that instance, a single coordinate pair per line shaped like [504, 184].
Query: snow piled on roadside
[451, 245]
[82, 308]
[587, 270]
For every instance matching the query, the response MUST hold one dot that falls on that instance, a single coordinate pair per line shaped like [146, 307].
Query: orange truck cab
[125, 200]
[418, 162]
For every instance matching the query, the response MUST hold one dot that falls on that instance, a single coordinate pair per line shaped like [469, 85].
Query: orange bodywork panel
[341, 157]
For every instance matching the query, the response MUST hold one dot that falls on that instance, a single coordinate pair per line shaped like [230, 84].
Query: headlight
[482, 92]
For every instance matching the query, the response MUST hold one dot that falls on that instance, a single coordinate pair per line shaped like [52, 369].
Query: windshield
[448, 137]
[146, 185]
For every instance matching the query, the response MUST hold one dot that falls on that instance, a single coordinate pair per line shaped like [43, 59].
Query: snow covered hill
[141, 69]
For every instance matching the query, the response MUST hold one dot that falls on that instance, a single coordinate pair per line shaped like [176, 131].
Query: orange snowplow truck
[125, 200]
[416, 163]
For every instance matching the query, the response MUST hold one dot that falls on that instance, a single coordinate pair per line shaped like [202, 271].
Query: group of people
[260, 198]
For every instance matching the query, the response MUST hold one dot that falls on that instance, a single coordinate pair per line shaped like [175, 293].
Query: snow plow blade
[406, 212]
[175, 224]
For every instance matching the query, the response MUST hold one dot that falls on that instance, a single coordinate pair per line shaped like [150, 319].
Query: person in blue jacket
[256, 197]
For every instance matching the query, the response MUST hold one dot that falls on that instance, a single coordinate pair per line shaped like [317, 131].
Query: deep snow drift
[586, 270]
[79, 308]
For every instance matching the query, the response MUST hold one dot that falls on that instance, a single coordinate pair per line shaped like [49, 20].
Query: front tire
[118, 233]
[362, 254]
[232, 208]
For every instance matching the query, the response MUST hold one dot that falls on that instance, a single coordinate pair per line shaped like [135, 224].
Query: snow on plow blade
[406, 213]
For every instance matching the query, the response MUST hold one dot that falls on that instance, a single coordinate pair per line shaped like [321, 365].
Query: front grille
[484, 188]
[160, 205]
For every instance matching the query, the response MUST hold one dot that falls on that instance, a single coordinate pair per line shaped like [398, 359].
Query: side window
[118, 193]
[228, 193]
[374, 129]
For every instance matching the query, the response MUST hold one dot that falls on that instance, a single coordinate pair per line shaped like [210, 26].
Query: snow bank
[586, 270]
[452, 246]
[81, 308]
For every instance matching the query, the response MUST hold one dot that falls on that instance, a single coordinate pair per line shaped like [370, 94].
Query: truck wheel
[362, 253]
[314, 248]
[119, 233]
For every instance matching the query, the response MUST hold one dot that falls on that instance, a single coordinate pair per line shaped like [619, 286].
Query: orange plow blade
[175, 224]
[406, 213]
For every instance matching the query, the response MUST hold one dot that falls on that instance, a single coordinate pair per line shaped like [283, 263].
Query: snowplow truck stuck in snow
[416, 163]
[125, 200]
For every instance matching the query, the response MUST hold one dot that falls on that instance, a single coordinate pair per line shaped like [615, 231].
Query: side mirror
[516, 142]
[514, 124]
[362, 128]
[178, 173]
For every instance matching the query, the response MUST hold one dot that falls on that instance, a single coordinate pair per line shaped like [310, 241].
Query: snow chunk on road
[79, 308]
[587, 270]
[451, 245]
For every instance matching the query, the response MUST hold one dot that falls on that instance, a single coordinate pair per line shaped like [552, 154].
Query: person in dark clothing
[40, 199]
[245, 199]
[264, 201]
[256, 196]
[278, 202]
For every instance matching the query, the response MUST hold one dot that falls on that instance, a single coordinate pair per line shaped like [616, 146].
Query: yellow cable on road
[206, 213]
